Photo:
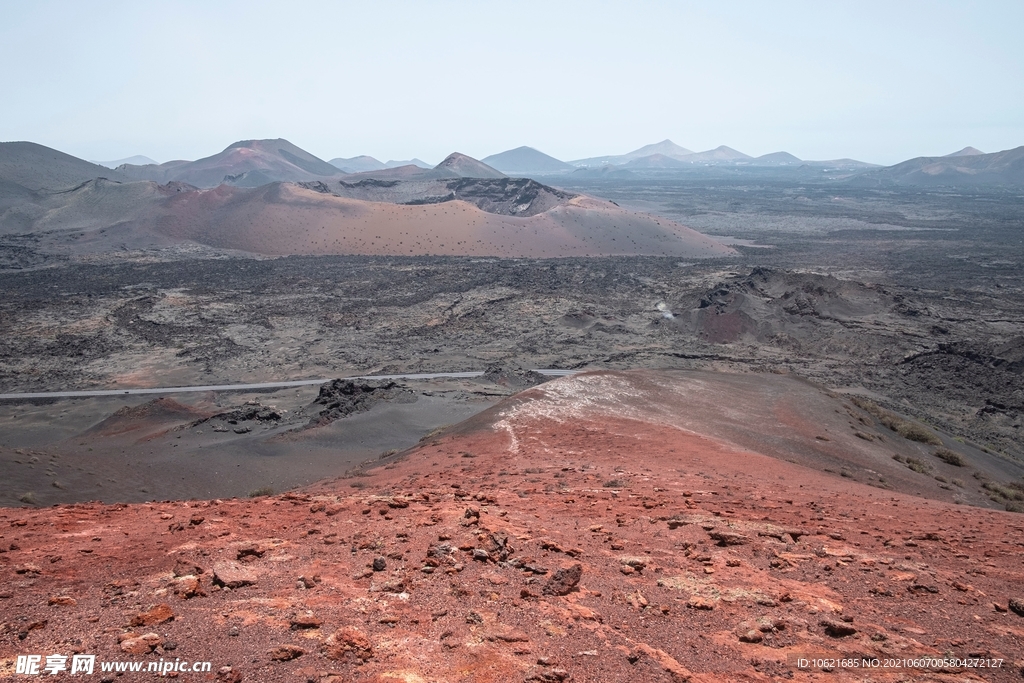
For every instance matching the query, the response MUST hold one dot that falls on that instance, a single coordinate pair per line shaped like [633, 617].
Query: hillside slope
[553, 538]
[964, 169]
[247, 163]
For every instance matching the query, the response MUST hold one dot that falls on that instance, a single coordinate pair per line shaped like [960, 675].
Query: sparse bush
[999, 492]
[615, 484]
[905, 428]
[951, 457]
[358, 484]
[28, 498]
[914, 432]
[898, 458]
[957, 483]
[387, 454]
[917, 466]
[261, 491]
[1014, 506]
[434, 432]
[941, 478]
[845, 473]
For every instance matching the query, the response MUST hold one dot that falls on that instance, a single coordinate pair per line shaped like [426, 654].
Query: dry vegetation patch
[905, 428]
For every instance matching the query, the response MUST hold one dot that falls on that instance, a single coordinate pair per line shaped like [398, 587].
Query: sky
[875, 81]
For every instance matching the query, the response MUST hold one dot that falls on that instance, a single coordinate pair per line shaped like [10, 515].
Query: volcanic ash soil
[550, 538]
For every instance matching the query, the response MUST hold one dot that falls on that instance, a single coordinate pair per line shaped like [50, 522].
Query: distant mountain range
[137, 160]
[271, 197]
[27, 168]
[966, 168]
[660, 156]
[364, 163]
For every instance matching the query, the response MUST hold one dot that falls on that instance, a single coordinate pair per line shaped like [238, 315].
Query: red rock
[305, 621]
[227, 674]
[838, 629]
[64, 600]
[141, 645]
[249, 552]
[725, 538]
[697, 602]
[286, 653]
[751, 636]
[187, 587]
[232, 575]
[348, 642]
[157, 614]
[187, 568]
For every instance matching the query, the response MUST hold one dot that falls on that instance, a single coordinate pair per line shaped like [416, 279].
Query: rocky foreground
[536, 542]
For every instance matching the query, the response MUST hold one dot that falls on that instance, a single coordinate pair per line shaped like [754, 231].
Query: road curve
[248, 387]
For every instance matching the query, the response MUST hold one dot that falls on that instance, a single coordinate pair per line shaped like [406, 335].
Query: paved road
[248, 387]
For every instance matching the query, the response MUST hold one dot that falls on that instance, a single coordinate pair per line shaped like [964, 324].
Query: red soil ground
[699, 561]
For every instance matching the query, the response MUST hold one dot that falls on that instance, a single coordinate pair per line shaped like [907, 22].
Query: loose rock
[564, 580]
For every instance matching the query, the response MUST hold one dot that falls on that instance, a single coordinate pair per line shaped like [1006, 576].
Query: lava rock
[564, 581]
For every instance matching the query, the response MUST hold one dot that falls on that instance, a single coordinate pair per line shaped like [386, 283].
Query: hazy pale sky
[876, 81]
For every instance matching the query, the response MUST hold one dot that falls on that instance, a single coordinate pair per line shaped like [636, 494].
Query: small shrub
[915, 432]
[917, 466]
[434, 432]
[261, 491]
[1014, 506]
[905, 428]
[358, 484]
[615, 484]
[898, 458]
[942, 479]
[387, 454]
[999, 492]
[845, 473]
[951, 457]
[28, 498]
[957, 483]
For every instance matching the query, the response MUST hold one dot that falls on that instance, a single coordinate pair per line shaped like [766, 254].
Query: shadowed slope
[35, 167]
